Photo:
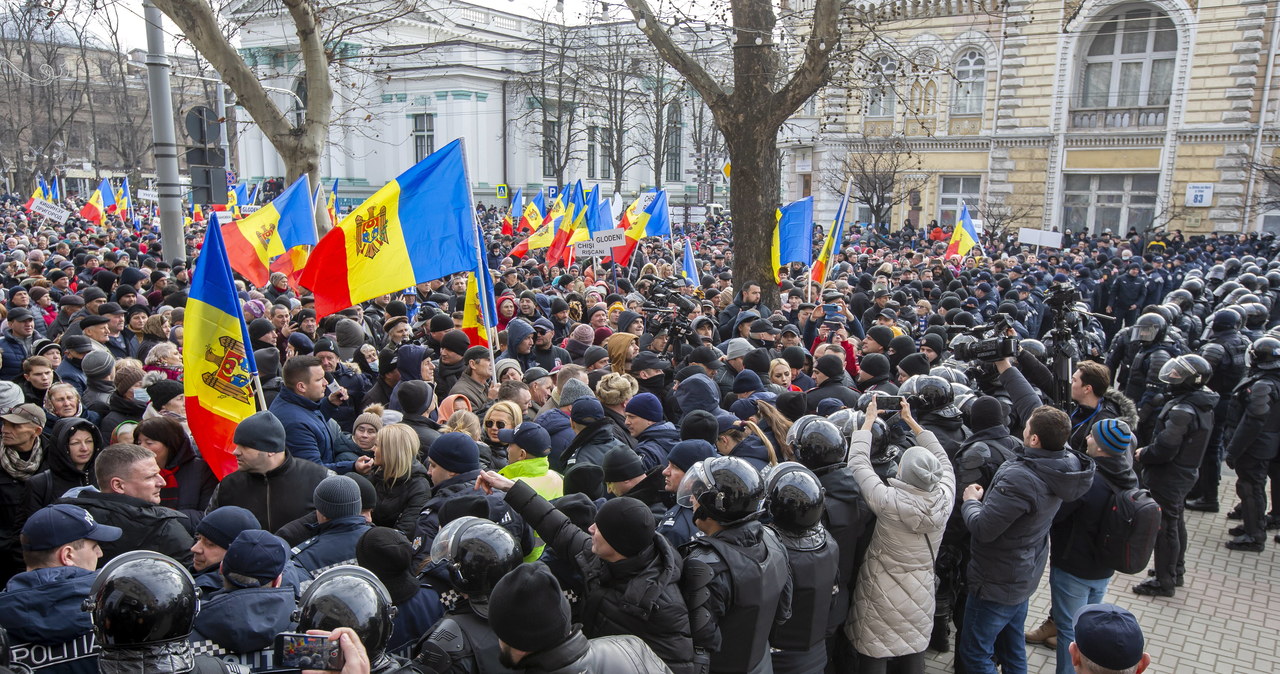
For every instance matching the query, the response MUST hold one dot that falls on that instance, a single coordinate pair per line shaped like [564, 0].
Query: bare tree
[1004, 218]
[558, 108]
[884, 173]
[613, 63]
[660, 117]
[750, 106]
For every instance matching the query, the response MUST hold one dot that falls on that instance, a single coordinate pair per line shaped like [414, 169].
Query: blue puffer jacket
[245, 620]
[43, 607]
[654, 442]
[334, 543]
[306, 429]
[13, 352]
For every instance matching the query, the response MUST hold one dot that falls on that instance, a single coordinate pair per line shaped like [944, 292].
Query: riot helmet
[1273, 279]
[1035, 347]
[142, 598]
[819, 444]
[793, 497]
[951, 374]
[1223, 320]
[349, 596]
[1150, 328]
[1182, 298]
[1264, 354]
[846, 420]
[476, 553]
[726, 489]
[1193, 285]
[926, 393]
[1186, 372]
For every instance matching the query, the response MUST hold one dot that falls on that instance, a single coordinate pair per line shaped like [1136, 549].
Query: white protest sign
[149, 195]
[249, 208]
[1039, 237]
[603, 242]
[48, 210]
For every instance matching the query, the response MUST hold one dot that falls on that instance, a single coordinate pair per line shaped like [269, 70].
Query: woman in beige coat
[892, 612]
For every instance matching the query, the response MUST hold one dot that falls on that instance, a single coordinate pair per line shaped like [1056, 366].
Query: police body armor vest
[815, 570]
[458, 637]
[744, 629]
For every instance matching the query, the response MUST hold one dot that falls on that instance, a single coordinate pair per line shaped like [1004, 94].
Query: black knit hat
[627, 525]
[389, 555]
[699, 425]
[528, 611]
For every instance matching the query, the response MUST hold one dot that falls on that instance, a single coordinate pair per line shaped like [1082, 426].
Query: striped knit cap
[1113, 435]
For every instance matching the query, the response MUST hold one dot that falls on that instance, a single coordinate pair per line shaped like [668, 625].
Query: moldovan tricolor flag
[832, 245]
[36, 195]
[480, 318]
[219, 369]
[273, 230]
[965, 235]
[634, 222]
[418, 227]
[101, 202]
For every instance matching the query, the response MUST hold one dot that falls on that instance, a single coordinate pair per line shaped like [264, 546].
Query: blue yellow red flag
[219, 369]
[271, 231]
[965, 236]
[418, 227]
[100, 203]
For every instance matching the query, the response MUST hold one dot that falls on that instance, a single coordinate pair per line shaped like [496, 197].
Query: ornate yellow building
[1093, 115]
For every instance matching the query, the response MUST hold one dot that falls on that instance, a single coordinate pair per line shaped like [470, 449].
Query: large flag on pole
[832, 245]
[36, 195]
[480, 318]
[418, 227]
[634, 222]
[965, 236]
[101, 202]
[219, 368]
[793, 235]
[273, 230]
[690, 269]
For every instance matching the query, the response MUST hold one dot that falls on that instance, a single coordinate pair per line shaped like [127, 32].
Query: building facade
[468, 71]
[1094, 115]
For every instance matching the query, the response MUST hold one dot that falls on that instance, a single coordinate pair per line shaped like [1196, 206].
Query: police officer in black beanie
[629, 573]
[531, 618]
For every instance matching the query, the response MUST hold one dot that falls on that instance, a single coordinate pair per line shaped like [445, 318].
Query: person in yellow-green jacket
[528, 446]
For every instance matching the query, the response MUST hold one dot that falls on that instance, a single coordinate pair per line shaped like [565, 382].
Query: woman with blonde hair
[465, 421]
[502, 415]
[745, 440]
[780, 375]
[400, 480]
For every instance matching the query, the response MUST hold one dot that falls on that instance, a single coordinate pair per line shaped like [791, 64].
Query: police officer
[143, 606]
[747, 582]
[214, 535]
[1170, 460]
[351, 596]
[254, 606]
[1256, 437]
[820, 446]
[795, 504]
[676, 525]
[476, 554]
[931, 399]
[1151, 331]
[1225, 351]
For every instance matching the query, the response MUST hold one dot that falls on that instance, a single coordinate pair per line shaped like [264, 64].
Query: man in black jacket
[1254, 443]
[269, 483]
[25, 455]
[453, 464]
[130, 482]
[630, 574]
[828, 371]
[1078, 575]
[530, 615]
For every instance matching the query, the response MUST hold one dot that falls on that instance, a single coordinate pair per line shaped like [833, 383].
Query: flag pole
[481, 294]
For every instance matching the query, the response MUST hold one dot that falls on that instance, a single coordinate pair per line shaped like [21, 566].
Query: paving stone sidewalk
[1225, 619]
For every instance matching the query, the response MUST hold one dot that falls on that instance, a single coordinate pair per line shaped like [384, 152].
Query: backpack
[1127, 535]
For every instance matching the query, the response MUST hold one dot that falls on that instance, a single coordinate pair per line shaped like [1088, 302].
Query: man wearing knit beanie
[266, 469]
[213, 536]
[623, 532]
[453, 463]
[1080, 574]
[339, 525]
[257, 603]
[828, 371]
[877, 341]
[654, 435]
[874, 374]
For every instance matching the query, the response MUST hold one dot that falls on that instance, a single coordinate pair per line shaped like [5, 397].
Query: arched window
[924, 96]
[1129, 61]
[971, 84]
[880, 94]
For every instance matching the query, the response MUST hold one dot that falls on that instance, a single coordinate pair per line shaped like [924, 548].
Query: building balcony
[1119, 118]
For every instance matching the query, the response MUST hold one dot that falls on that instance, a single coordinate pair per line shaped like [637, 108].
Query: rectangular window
[550, 147]
[954, 191]
[675, 149]
[606, 153]
[591, 152]
[424, 136]
[1113, 202]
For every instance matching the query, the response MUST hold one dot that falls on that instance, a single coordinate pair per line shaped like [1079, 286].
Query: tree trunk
[754, 202]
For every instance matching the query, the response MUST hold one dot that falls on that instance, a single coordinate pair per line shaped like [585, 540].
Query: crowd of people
[646, 472]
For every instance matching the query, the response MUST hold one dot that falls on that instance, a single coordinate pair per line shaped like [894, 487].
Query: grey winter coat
[893, 601]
